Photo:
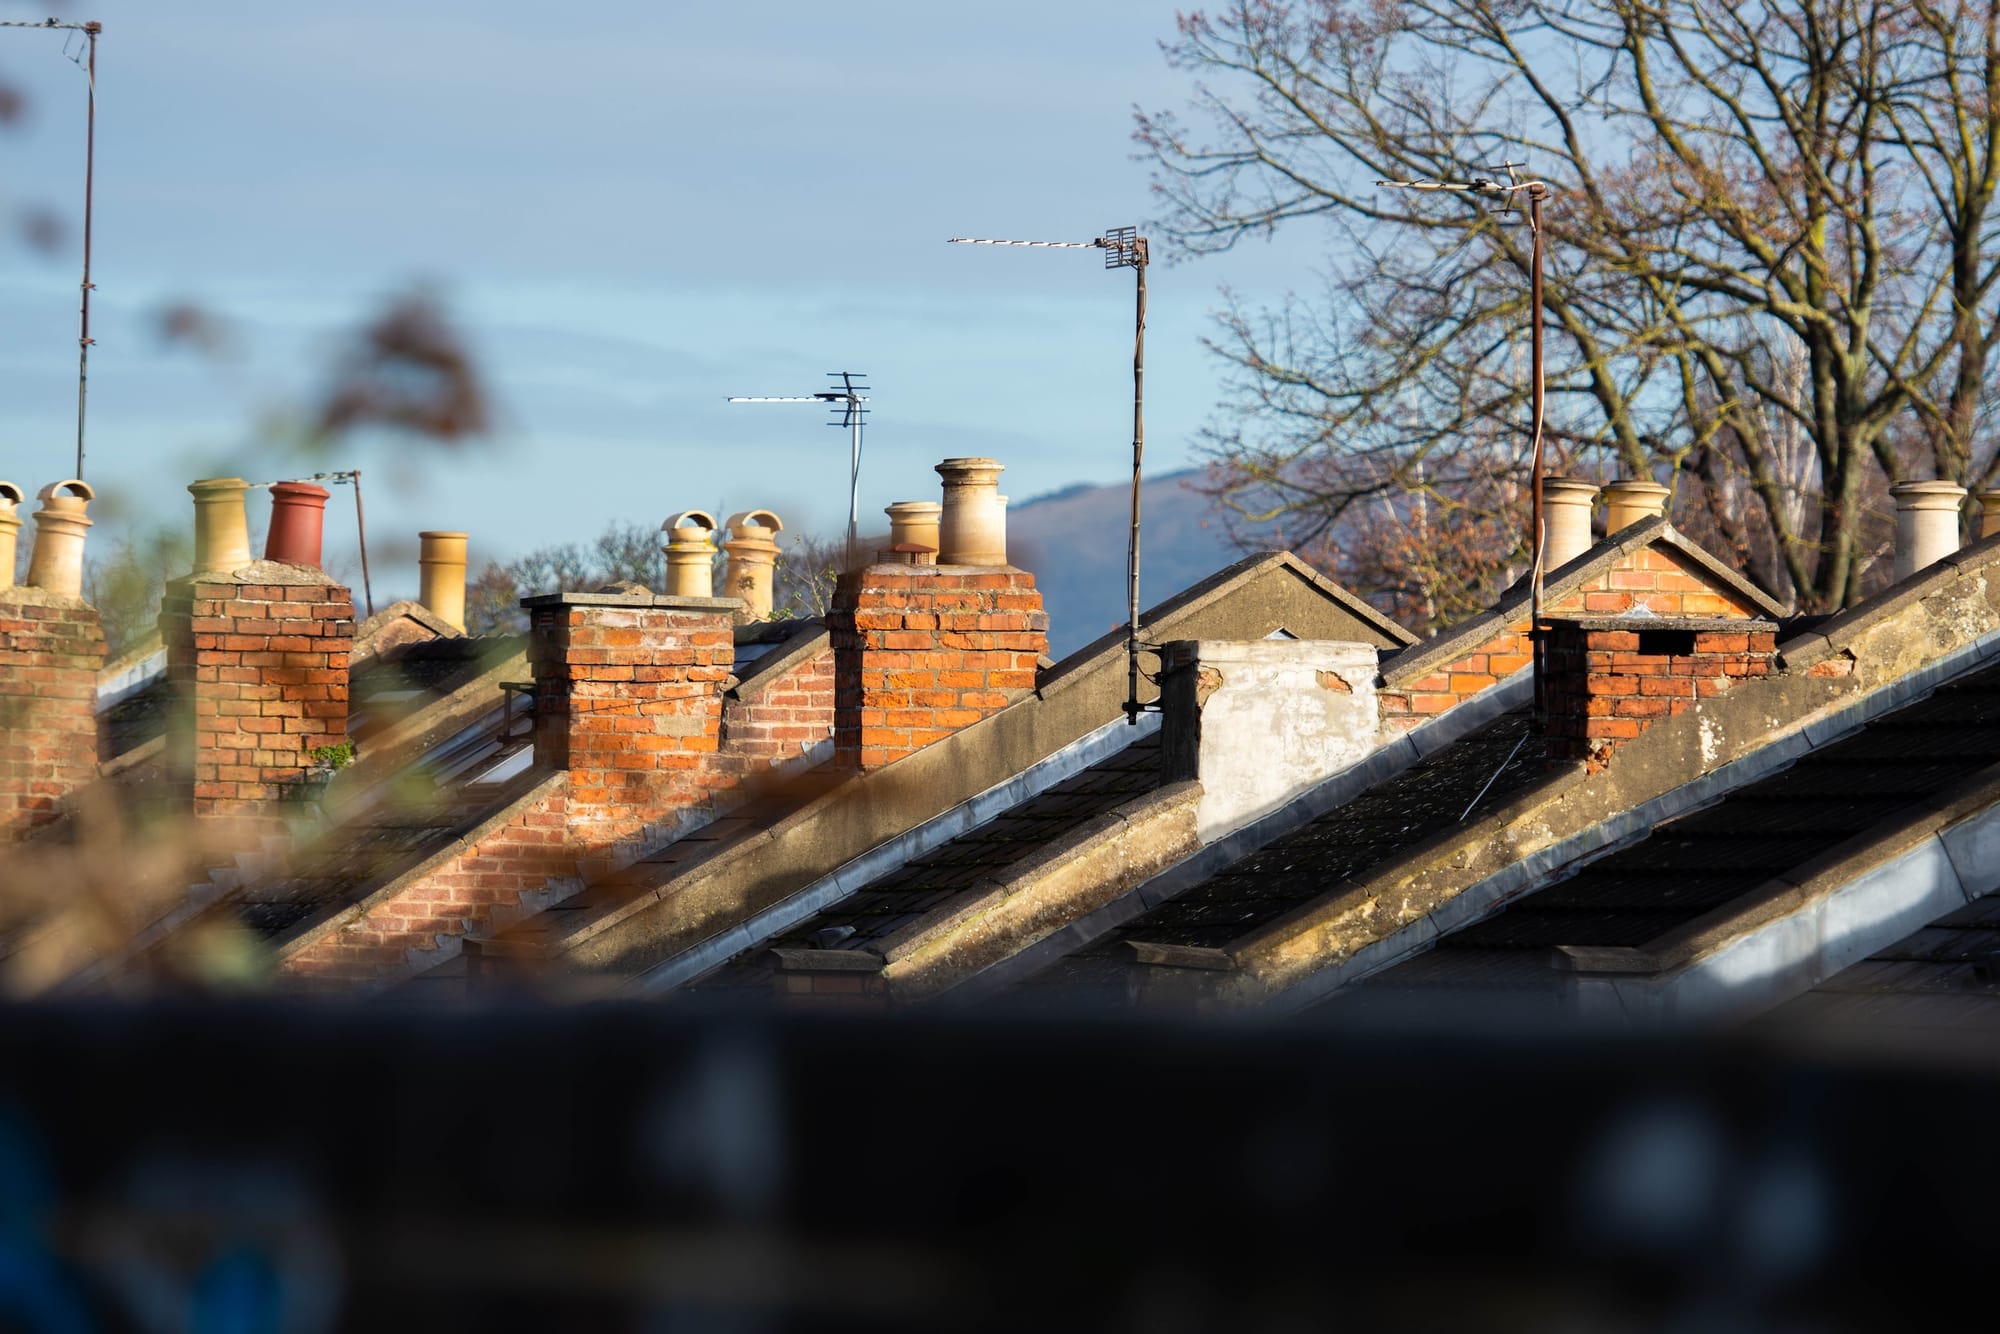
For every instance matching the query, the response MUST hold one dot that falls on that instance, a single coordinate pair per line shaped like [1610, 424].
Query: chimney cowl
[56, 565]
[10, 528]
[221, 529]
[1927, 515]
[1566, 505]
[752, 548]
[1632, 500]
[690, 549]
[972, 527]
[441, 575]
[298, 522]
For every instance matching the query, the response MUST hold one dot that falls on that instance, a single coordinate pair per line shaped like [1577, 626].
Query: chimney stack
[972, 525]
[914, 523]
[10, 531]
[1566, 515]
[441, 568]
[690, 554]
[753, 561]
[1608, 678]
[1926, 523]
[221, 530]
[1628, 502]
[56, 566]
[298, 518]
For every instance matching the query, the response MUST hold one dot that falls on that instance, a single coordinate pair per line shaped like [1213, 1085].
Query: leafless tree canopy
[1771, 262]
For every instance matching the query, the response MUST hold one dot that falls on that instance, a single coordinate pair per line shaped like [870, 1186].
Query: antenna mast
[90, 32]
[846, 400]
[1123, 248]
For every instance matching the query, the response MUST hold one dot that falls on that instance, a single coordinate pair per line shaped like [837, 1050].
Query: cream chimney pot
[972, 527]
[221, 532]
[10, 531]
[1989, 513]
[690, 554]
[753, 561]
[1566, 516]
[1628, 502]
[56, 566]
[1926, 523]
[914, 523]
[441, 576]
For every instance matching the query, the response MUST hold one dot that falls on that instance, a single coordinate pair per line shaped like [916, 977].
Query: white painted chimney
[1926, 523]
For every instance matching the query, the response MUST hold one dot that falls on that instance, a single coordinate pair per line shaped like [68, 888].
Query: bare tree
[1772, 259]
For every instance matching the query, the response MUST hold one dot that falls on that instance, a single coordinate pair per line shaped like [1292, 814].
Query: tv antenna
[1123, 248]
[1536, 192]
[90, 33]
[846, 400]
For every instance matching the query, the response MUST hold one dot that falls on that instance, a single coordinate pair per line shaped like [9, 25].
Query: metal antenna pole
[1536, 191]
[90, 32]
[353, 477]
[848, 399]
[1124, 248]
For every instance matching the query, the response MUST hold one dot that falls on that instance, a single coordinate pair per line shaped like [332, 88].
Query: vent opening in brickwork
[1666, 643]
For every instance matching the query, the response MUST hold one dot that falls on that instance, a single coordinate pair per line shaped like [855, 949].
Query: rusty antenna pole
[352, 476]
[90, 31]
[1123, 248]
[1536, 192]
[846, 400]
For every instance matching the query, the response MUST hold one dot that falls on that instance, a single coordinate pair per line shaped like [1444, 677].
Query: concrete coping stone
[274, 572]
[1181, 956]
[826, 961]
[27, 595]
[1698, 624]
[640, 598]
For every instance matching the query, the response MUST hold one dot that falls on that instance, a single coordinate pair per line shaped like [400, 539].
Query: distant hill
[1074, 542]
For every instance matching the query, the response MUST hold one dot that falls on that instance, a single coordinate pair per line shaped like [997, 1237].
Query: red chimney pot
[298, 516]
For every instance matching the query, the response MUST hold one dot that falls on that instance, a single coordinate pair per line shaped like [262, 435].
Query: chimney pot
[441, 571]
[1926, 523]
[221, 531]
[753, 561]
[690, 552]
[56, 565]
[298, 519]
[1629, 501]
[10, 530]
[972, 525]
[1566, 516]
[914, 523]
[1989, 513]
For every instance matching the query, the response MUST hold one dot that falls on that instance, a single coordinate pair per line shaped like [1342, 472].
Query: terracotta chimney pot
[56, 566]
[298, 519]
[10, 530]
[690, 554]
[1566, 517]
[221, 531]
[972, 528]
[1627, 502]
[1989, 513]
[753, 561]
[914, 523]
[1926, 523]
[441, 571]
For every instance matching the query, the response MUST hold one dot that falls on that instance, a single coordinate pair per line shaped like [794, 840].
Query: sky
[632, 216]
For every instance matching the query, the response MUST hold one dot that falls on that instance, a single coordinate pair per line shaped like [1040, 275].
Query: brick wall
[504, 872]
[781, 720]
[921, 651]
[259, 679]
[1658, 580]
[1607, 680]
[628, 702]
[51, 649]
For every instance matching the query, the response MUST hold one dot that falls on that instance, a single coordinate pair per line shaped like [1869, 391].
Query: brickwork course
[1607, 681]
[781, 720]
[1661, 582]
[259, 677]
[923, 651]
[51, 649]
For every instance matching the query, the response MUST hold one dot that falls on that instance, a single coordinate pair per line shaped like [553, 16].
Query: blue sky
[634, 215]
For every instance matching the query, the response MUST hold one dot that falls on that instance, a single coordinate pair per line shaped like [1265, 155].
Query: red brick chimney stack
[1609, 678]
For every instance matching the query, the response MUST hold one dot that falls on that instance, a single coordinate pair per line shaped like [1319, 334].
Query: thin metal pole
[361, 531]
[90, 31]
[854, 486]
[1132, 708]
[1535, 193]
